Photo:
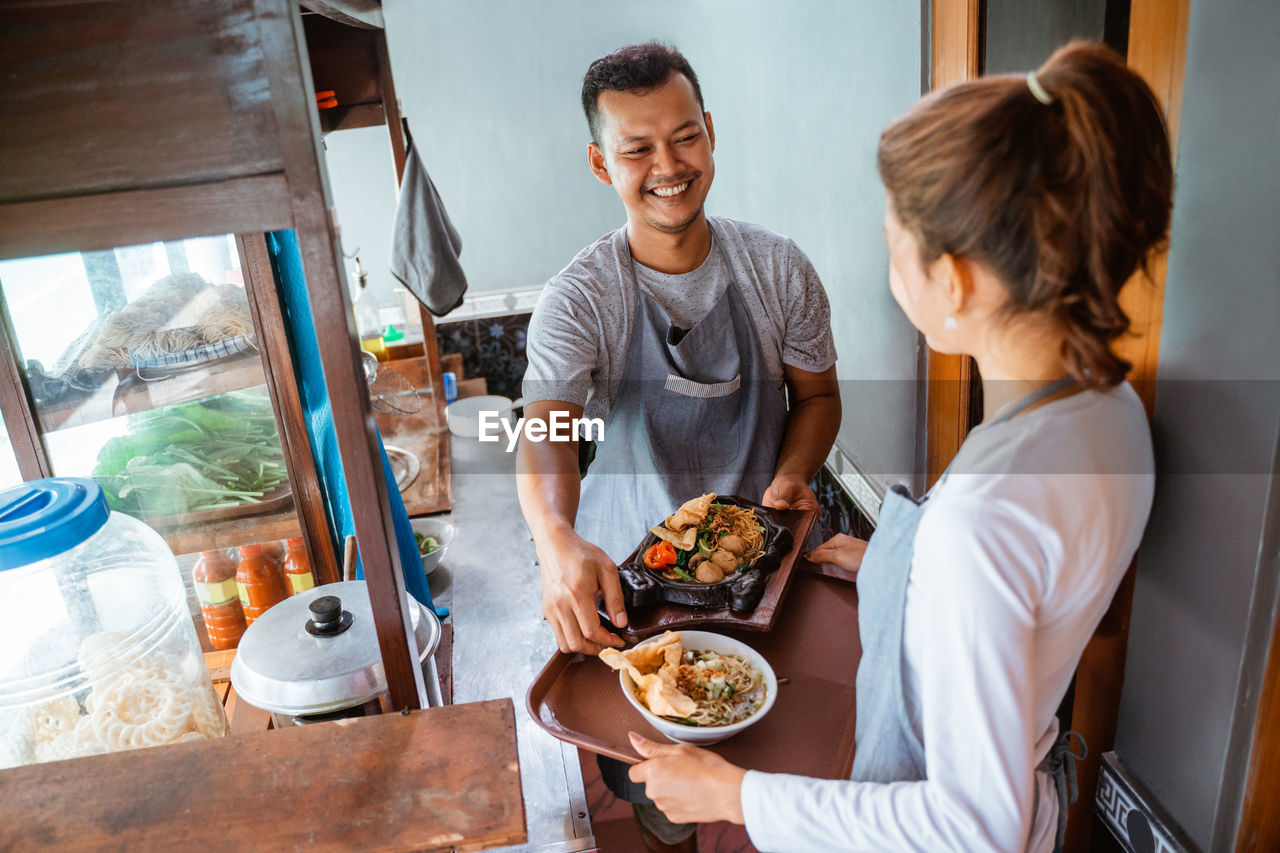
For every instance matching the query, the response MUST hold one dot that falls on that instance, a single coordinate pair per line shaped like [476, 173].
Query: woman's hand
[688, 784]
[840, 550]
[789, 492]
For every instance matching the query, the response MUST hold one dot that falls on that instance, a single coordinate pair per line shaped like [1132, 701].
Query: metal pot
[316, 655]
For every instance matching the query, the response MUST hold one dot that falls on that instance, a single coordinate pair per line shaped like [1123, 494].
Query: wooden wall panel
[1157, 51]
[132, 94]
[955, 52]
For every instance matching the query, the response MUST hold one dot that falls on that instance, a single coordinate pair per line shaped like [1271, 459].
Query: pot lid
[310, 654]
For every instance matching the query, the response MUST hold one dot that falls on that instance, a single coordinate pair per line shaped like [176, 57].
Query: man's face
[655, 149]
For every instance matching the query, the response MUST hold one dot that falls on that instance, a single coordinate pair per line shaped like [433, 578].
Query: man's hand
[689, 785]
[840, 550]
[573, 570]
[788, 491]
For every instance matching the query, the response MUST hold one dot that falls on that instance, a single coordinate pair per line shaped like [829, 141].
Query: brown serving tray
[810, 729]
[645, 622]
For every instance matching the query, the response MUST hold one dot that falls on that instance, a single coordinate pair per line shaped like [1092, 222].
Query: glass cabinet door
[143, 369]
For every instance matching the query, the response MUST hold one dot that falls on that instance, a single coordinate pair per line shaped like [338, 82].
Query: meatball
[708, 572]
[724, 560]
[733, 544]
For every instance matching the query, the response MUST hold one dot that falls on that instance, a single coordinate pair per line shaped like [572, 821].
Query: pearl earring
[950, 322]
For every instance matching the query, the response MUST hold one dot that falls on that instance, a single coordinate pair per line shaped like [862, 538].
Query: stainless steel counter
[490, 580]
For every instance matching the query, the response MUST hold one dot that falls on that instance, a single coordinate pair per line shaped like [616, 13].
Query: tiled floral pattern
[837, 513]
[493, 347]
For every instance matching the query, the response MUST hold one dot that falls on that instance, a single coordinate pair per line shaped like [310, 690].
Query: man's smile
[669, 191]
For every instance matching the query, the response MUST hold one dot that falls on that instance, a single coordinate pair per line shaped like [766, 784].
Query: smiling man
[703, 343]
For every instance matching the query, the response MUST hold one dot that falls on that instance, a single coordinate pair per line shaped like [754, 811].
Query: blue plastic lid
[43, 518]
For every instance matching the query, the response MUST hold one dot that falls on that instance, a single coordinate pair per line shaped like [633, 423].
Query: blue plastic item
[43, 518]
[287, 263]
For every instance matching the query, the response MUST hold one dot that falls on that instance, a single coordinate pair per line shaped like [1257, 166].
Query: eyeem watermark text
[558, 427]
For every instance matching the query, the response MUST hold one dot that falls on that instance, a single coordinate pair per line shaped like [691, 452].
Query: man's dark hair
[634, 68]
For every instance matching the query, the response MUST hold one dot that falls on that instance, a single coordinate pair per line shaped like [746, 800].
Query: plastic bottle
[214, 577]
[297, 568]
[258, 578]
[368, 323]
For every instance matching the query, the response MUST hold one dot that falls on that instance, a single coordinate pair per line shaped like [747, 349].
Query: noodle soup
[730, 685]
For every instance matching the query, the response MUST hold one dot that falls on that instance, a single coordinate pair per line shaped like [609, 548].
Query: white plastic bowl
[439, 529]
[703, 735]
[463, 416]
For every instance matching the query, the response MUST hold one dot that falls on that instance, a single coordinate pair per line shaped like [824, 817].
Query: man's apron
[692, 415]
[888, 749]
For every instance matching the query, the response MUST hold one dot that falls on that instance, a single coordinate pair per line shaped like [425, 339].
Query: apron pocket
[702, 390]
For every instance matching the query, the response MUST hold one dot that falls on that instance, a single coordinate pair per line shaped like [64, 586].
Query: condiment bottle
[214, 577]
[297, 568]
[259, 580]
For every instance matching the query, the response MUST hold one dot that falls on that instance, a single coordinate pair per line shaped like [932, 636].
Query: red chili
[660, 556]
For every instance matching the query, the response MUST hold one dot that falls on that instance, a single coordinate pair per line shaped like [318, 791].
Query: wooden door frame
[1157, 51]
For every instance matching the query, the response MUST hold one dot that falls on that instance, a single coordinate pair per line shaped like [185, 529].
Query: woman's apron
[692, 415]
[888, 749]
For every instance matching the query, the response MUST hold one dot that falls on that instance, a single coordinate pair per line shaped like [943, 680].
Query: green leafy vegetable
[219, 452]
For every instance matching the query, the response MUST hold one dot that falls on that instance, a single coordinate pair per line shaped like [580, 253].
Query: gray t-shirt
[581, 326]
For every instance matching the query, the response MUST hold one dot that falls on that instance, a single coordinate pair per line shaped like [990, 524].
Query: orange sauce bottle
[260, 583]
[297, 568]
[214, 577]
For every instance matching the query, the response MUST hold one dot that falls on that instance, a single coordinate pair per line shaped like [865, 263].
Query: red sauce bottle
[297, 568]
[259, 580]
[214, 577]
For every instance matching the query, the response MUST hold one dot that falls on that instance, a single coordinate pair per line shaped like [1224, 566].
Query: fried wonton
[691, 514]
[684, 540]
[654, 667]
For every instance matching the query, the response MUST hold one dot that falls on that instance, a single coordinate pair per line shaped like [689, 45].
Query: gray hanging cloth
[424, 244]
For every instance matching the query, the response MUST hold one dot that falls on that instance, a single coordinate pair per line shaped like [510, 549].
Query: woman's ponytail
[1060, 181]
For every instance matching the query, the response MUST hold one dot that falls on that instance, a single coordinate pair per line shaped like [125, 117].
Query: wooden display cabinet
[203, 125]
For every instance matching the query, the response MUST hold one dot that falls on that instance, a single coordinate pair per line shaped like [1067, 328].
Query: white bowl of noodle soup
[704, 641]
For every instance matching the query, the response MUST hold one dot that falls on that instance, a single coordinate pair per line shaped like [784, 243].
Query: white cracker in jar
[143, 716]
[55, 718]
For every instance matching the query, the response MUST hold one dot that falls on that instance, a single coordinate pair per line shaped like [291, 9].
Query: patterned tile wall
[494, 347]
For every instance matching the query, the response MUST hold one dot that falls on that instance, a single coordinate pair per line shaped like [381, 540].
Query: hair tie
[1033, 83]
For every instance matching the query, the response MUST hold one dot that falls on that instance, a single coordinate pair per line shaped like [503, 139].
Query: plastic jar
[98, 652]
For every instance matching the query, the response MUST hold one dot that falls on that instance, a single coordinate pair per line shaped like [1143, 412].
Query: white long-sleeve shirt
[1017, 556]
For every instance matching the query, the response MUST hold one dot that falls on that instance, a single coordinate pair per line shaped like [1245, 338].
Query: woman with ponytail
[1017, 207]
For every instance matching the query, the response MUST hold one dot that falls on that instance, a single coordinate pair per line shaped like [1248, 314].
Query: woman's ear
[956, 275]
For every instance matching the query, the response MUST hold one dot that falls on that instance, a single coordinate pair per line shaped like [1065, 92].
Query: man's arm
[812, 425]
[573, 570]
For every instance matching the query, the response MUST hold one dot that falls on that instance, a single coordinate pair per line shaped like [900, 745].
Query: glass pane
[9, 475]
[143, 367]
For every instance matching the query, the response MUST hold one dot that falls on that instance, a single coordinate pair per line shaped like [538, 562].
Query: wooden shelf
[118, 397]
[248, 530]
[350, 116]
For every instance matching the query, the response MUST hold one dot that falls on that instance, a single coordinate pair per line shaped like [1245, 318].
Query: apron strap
[1060, 763]
[1030, 400]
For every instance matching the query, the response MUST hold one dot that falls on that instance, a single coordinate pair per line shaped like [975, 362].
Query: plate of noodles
[694, 686]
[712, 551]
